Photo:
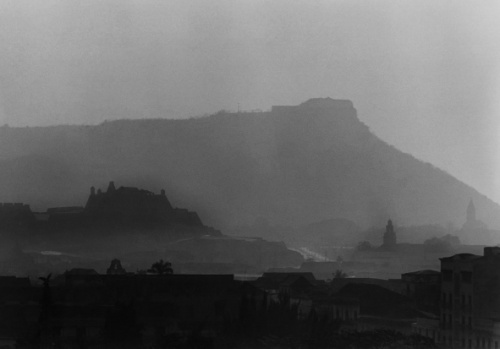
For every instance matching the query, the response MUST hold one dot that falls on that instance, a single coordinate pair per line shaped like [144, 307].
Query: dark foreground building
[470, 300]
[83, 309]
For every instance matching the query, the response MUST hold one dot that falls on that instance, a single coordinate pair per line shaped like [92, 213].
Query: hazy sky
[423, 75]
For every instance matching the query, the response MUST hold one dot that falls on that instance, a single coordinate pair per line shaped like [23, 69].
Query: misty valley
[249, 174]
[290, 228]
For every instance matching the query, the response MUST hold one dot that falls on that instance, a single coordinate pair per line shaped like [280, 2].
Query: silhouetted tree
[161, 268]
[364, 246]
[339, 274]
[446, 243]
[116, 268]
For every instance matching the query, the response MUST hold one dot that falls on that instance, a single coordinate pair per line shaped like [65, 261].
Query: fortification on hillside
[16, 215]
[134, 204]
[122, 207]
[315, 104]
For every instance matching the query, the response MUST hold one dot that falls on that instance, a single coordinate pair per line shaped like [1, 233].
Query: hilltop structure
[122, 207]
[292, 165]
[15, 215]
[136, 205]
[131, 224]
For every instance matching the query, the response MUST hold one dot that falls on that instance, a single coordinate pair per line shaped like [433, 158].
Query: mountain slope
[289, 166]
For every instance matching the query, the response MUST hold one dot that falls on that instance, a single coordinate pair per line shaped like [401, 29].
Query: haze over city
[249, 174]
[423, 75]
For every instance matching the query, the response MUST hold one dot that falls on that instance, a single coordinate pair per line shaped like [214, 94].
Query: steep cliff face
[290, 166]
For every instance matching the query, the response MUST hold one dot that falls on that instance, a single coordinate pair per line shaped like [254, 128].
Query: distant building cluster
[133, 204]
[13, 215]
[123, 206]
[457, 306]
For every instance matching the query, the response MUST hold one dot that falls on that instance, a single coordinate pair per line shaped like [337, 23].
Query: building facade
[470, 300]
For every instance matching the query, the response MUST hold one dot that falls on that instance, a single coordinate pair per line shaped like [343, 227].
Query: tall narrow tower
[389, 236]
[471, 212]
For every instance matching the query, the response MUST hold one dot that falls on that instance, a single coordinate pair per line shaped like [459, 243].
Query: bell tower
[389, 236]
[471, 212]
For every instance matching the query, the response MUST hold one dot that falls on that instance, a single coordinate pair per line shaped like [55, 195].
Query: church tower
[471, 212]
[389, 237]
[111, 187]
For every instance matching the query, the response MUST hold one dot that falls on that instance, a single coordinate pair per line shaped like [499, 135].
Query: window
[456, 283]
[447, 275]
[81, 332]
[466, 276]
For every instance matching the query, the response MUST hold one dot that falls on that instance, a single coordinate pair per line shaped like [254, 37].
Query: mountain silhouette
[293, 165]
